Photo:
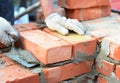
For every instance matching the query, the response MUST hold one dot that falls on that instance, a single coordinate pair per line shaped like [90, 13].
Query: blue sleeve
[7, 10]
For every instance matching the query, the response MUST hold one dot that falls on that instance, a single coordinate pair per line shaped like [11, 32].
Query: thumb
[4, 39]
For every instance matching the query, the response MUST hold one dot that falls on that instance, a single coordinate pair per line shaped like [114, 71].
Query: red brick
[76, 4]
[115, 4]
[88, 13]
[82, 44]
[117, 71]
[114, 46]
[26, 27]
[6, 61]
[115, 49]
[106, 68]
[57, 74]
[101, 80]
[81, 68]
[45, 47]
[18, 74]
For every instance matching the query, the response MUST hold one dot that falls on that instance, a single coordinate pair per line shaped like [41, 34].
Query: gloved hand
[7, 33]
[61, 24]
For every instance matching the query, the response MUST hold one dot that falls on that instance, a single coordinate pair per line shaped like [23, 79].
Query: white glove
[7, 33]
[61, 24]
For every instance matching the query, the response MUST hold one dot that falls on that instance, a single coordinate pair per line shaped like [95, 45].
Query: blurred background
[22, 5]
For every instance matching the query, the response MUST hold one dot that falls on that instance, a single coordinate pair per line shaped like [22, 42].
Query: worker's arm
[47, 7]
[56, 22]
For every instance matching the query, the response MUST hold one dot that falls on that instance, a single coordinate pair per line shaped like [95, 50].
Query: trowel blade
[19, 60]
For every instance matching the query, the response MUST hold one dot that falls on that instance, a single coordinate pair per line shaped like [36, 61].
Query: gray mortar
[85, 43]
[92, 74]
[2, 62]
[109, 24]
[36, 69]
[27, 56]
[112, 78]
[104, 52]
[23, 57]
[84, 57]
[79, 79]
[91, 81]
[39, 70]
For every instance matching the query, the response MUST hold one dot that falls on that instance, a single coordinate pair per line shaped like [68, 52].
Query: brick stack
[67, 59]
[59, 54]
[86, 9]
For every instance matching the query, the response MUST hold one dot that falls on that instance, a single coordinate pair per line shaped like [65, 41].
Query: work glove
[8, 34]
[62, 25]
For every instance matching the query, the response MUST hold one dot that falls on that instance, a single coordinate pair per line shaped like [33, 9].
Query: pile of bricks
[86, 9]
[108, 59]
[59, 56]
[66, 59]
[60, 52]
[72, 59]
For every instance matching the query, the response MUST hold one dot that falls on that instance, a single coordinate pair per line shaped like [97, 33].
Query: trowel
[23, 57]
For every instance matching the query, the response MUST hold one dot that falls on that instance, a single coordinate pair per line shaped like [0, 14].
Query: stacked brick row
[86, 9]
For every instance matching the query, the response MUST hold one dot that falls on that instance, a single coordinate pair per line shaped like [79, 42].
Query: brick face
[5, 61]
[76, 4]
[88, 13]
[115, 49]
[117, 71]
[60, 73]
[83, 44]
[45, 47]
[27, 27]
[114, 46]
[17, 74]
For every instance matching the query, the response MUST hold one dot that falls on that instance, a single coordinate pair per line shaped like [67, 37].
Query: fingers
[4, 39]
[61, 24]
[57, 27]
[77, 23]
[75, 26]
